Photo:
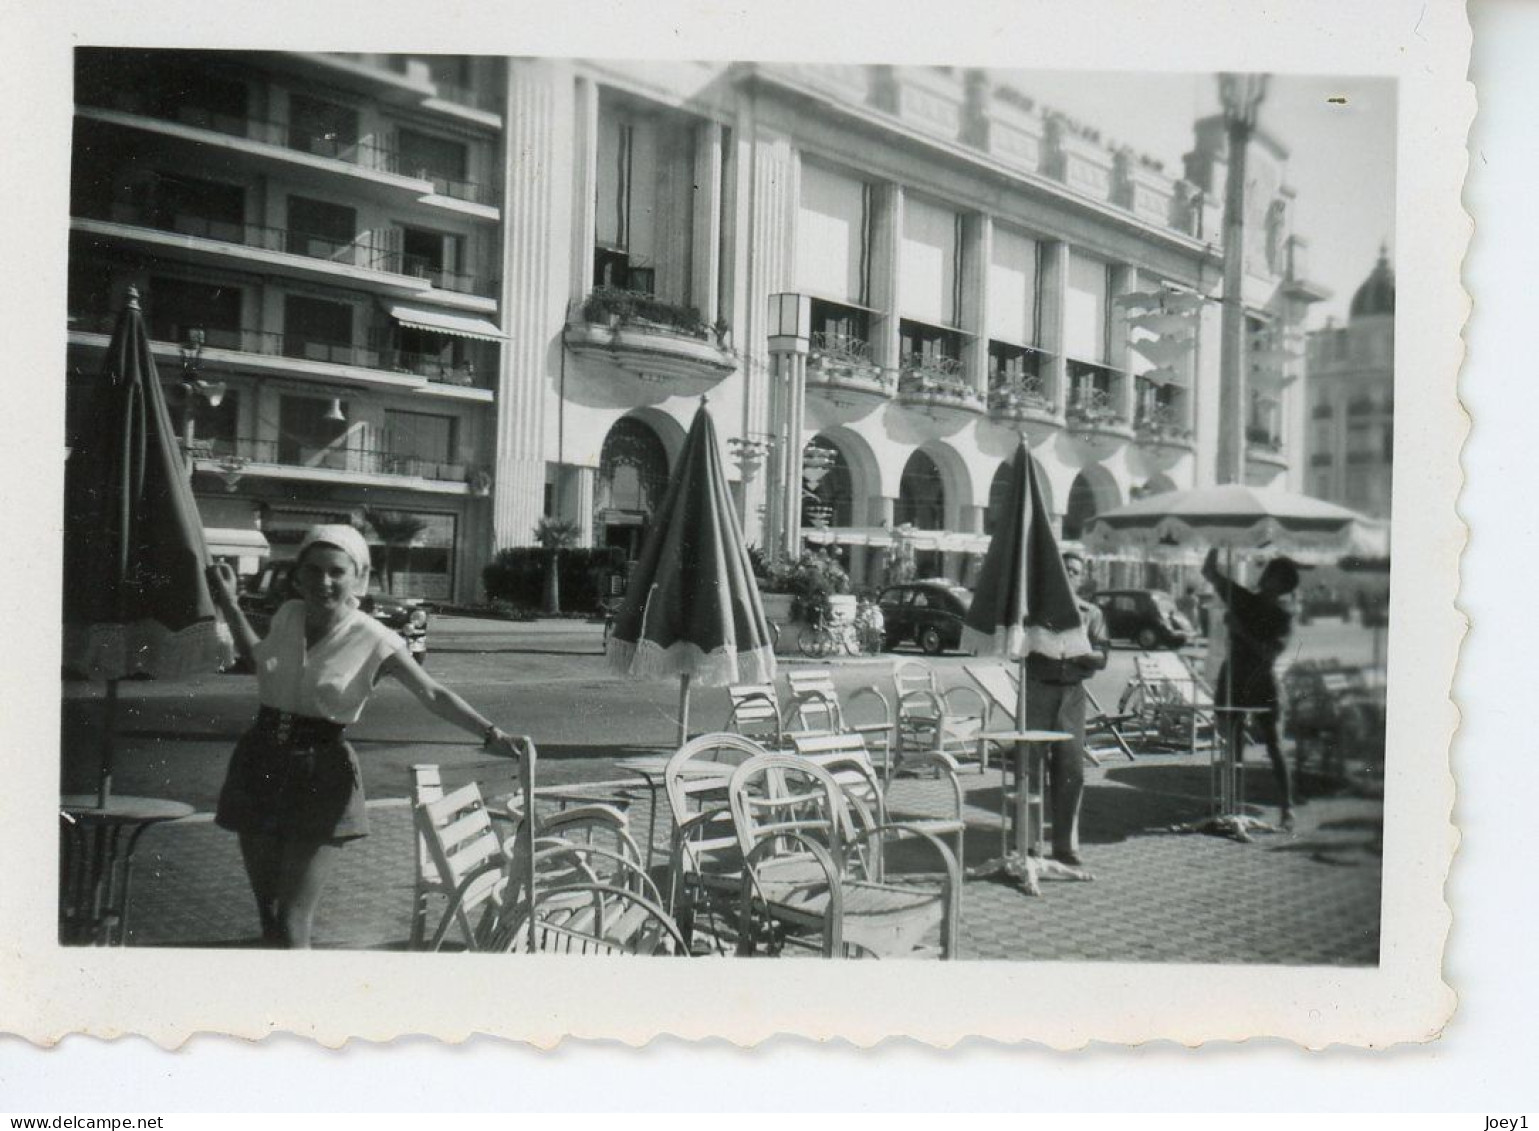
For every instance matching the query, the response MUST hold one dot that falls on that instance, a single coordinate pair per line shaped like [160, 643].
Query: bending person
[1259, 624]
[293, 792]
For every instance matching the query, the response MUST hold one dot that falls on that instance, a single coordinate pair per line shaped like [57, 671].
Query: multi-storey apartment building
[482, 290]
[1351, 385]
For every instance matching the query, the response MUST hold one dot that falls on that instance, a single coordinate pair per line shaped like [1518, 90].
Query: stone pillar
[1053, 282]
[791, 376]
[886, 253]
[585, 118]
[704, 271]
[977, 250]
[1123, 281]
[537, 172]
[578, 503]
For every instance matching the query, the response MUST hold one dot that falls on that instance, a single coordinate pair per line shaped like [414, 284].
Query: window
[419, 436]
[424, 567]
[306, 437]
[317, 330]
[322, 128]
[1086, 326]
[177, 306]
[196, 207]
[833, 237]
[436, 158]
[1013, 273]
[319, 228]
[930, 283]
[213, 428]
[438, 256]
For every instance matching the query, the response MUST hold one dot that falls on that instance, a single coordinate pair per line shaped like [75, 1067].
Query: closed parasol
[135, 598]
[1023, 602]
[692, 607]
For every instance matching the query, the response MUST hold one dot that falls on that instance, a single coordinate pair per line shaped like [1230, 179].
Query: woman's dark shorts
[294, 778]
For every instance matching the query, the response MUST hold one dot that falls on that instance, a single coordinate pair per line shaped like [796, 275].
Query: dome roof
[1377, 294]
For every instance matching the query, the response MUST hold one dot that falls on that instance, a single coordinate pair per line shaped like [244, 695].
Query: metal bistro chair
[755, 712]
[807, 882]
[927, 718]
[813, 706]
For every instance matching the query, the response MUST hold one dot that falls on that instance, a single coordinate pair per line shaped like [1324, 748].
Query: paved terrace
[1311, 897]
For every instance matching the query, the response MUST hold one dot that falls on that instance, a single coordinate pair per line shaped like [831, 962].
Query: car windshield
[1162, 601]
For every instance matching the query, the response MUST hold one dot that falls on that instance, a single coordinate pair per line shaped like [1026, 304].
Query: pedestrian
[1055, 700]
[1259, 623]
[293, 792]
[1191, 608]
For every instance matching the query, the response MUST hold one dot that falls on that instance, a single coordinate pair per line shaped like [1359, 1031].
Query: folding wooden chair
[1000, 684]
[1170, 703]
[755, 713]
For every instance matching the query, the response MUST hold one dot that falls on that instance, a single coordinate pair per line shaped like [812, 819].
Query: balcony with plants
[663, 342]
[291, 458]
[1019, 389]
[930, 372]
[839, 362]
[1095, 406]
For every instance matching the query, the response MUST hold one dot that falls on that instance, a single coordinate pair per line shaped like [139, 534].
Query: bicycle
[825, 637]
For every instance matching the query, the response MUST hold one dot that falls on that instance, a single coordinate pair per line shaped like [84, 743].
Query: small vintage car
[930, 613]
[1147, 617]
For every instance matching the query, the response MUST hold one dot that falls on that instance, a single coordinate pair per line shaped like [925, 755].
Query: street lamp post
[1241, 96]
[790, 338]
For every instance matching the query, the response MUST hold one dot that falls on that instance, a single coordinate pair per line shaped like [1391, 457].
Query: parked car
[1322, 601]
[273, 586]
[930, 613]
[1147, 617]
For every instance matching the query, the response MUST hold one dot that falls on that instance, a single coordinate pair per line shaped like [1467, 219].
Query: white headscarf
[345, 538]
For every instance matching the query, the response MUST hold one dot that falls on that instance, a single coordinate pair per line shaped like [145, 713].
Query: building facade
[1351, 386]
[478, 291]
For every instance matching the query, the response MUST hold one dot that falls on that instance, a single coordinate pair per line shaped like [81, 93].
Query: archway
[921, 503]
[835, 490]
[631, 481]
[1093, 491]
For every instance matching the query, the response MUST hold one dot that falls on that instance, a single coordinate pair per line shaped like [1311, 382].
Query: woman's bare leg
[262, 855]
[306, 866]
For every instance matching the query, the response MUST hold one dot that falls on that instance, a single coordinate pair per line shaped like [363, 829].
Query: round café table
[96, 862]
[1023, 811]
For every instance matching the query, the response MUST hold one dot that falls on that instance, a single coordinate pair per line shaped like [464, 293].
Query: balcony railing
[305, 347]
[365, 461]
[611, 304]
[362, 154]
[1162, 425]
[1095, 408]
[937, 379]
[1019, 395]
[363, 250]
[1263, 439]
[841, 350]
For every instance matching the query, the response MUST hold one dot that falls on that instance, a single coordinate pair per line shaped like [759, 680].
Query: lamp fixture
[335, 413]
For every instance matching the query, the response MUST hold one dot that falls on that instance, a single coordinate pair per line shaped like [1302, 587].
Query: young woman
[293, 792]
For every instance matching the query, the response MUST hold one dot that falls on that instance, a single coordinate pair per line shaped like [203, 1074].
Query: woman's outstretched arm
[449, 706]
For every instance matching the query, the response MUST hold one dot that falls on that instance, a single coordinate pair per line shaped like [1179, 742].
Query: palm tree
[555, 534]
[398, 530]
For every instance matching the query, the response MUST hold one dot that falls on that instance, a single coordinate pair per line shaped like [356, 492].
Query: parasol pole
[109, 722]
[683, 708]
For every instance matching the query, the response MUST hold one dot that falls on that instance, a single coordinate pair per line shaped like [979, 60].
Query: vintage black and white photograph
[519, 509]
[726, 509]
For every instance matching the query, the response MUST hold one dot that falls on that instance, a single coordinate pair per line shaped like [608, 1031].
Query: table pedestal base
[1028, 871]
[1235, 826]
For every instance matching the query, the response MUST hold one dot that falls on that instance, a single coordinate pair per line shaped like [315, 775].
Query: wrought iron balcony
[936, 382]
[1162, 426]
[365, 461]
[839, 364]
[658, 342]
[1017, 398]
[1095, 409]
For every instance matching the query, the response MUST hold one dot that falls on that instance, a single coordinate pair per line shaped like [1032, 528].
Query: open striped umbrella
[1231, 515]
[692, 607]
[135, 597]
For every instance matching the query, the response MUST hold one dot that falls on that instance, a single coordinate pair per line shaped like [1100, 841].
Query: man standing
[1259, 623]
[1055, 700]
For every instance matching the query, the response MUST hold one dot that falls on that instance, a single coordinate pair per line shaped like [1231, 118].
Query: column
[1053, 280]
[1231, 389]
[977, 245]
[791, 374]
[578, 506]
[537, 170]
[886, 253]
[1124, 280]
[585, 117]
[704, 278]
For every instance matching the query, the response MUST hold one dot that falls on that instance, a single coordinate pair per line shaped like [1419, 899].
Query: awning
[880, 537]
[443, 322]
[232, 542]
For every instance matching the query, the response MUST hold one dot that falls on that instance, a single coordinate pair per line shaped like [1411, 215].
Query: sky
[1341, 155]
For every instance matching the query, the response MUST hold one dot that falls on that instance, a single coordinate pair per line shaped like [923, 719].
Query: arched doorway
[921, 503]
[834, 490]
[632, 477]
[1093, 491]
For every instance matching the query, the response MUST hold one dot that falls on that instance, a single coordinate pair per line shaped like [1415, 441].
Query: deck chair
[755, 713]
[846, 759]
[805, 883]
[813, 707]
[927, 717]
[460, 853]
[1169, 702]
[1328, 713]
[598, 919]
[1000, 683]
[705, 863]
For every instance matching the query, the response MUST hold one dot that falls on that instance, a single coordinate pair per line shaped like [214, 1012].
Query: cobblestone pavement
[1311, 897]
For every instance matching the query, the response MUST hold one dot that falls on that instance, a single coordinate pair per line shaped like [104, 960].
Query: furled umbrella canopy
[135, 597]
[1022, 601]
[692, 608]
